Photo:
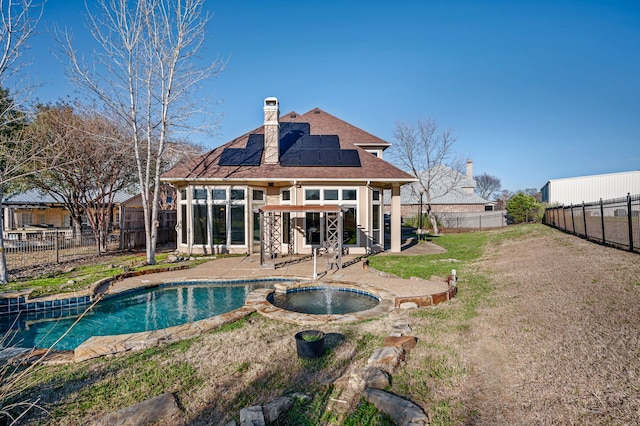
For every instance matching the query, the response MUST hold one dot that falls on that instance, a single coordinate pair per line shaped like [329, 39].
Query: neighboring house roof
[36, 197]
[309, 131]
[450, 187]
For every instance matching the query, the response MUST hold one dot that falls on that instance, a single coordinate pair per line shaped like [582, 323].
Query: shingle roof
[206, 167]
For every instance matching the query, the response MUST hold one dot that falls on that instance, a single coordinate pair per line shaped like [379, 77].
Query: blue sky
[533, 90]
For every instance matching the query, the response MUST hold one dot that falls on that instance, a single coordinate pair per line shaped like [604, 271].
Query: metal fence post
[630, 221]
[55, 245]
[573, 221]
[604, 241]
[584, 219]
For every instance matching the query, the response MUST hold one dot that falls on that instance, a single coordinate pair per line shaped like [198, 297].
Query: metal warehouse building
[587, 189]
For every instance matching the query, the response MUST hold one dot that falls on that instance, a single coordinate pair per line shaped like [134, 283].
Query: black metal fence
[612, 222]
[53, 246]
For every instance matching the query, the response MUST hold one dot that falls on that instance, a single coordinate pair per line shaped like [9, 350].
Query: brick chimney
[271, 131]
[470, 169]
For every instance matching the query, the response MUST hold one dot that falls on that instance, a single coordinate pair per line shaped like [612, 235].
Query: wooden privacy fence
[612, 222]
[132, 227]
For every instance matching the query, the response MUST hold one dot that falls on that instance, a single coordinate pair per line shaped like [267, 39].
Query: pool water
[324, 301]
[147, 310]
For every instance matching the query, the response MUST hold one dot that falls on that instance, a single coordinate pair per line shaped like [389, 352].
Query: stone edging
[257, 299]
[424, 300]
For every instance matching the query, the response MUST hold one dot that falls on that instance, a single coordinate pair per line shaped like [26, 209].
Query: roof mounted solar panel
[349, 158]
[249, 156]
[329, 142]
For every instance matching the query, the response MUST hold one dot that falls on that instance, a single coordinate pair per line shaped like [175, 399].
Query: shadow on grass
[308, 382]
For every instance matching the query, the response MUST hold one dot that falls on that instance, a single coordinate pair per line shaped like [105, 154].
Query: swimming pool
[142, 310]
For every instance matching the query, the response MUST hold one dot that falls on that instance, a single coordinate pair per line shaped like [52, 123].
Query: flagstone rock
[408, 305]
[368, 377]
[389, 355]
[276, 408]
[143, 413]
[252, 416]
[404, 342]
[402, 412]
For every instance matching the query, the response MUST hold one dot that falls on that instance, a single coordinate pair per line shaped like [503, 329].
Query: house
[27, 214]
[33, 214]
[296, 183]
[576, 190]
[451, 192]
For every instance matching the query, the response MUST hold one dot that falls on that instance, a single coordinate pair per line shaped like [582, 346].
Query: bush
[523, 208]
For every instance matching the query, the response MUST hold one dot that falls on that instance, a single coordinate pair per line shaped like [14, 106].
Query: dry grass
[560, 345]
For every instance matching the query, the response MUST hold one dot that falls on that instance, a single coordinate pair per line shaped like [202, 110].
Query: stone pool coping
[257, 299]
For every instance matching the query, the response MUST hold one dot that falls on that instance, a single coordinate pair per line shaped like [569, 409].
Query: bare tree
[426, 151]
[146, 73]
[18, 20]
[102, 164]
[487, 185]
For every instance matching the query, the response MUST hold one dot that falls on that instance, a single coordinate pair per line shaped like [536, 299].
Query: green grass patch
[461, 249]
[79, 278]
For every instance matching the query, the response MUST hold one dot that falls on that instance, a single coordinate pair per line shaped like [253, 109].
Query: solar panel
[310, 157]
[249, 156]
[297, 148]
[329, 142]
[329, 158]
[349, 158]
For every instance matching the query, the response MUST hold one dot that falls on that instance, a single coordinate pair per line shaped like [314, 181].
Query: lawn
[253, 361]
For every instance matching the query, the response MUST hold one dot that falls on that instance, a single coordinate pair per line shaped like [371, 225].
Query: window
[237, 194]
[376, 223]
[66, 220]
[258, 195]
[237, 224]
[219, 224]
[219, 194]
[200, 230]
[183, 194]
[25, 219]
[376, 195]
[183, 219]
[256, 227]
[312, 194]
[286, 195]
[199, 194]
[331, 194]
[349, 195]
[349, 227]
[312, 228]
[286, 227]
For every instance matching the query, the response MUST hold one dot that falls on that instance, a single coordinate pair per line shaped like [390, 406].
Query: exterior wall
[359, 228]
[591, 188]
[53, 217]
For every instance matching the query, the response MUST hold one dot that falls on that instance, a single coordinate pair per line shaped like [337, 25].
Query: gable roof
[208, 167]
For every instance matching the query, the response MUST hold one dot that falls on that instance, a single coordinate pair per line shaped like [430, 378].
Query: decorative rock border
[430, 299]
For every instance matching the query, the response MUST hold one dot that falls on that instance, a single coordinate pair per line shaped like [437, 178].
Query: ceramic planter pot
[310, 343]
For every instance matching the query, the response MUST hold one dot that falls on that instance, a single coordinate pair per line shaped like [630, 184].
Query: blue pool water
[324, 300]
[147, 310]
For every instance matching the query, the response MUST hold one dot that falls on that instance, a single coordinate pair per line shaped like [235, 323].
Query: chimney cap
[271, 101]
